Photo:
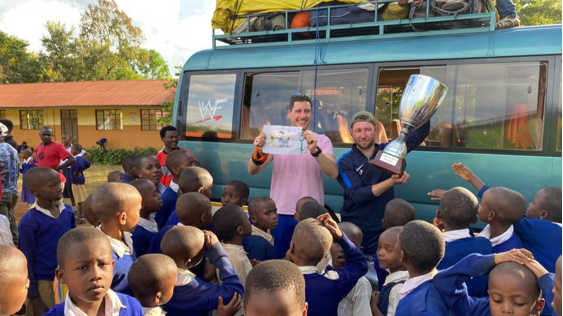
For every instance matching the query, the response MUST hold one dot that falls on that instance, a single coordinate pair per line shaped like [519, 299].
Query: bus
[501, 116]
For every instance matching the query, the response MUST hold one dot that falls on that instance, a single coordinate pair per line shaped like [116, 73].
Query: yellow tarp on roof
[225, 10]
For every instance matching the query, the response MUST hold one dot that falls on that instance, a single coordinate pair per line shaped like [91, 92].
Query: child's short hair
[302, 201]
[13, 272]
[89, 212]
[112, 199]
[75, 236]
[314, 238]
[36, 177]
[423, 243]
[526, 277]
[241, 188]
[115, 176]
[149, 273]
[130, 161]
[311, 209]
[257, 200]
[398, 212]
[26, 152]
[226, 220]
[275, 276]
[175, 158]
[190, 207]
[458, 208]
[182, 241]
[509, 206]
[552, 203]
[194, 178]
[77, 147]
[352, 231]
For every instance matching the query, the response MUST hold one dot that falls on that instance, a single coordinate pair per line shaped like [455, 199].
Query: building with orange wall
[125, 111]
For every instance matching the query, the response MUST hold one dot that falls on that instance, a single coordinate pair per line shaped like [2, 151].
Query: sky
[175, 28]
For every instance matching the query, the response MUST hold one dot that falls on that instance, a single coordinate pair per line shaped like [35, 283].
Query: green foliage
[115, 156]
[538, 12]
[168, 106]
[16, 64]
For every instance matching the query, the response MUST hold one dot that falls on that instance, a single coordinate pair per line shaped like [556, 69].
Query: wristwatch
[316, 154]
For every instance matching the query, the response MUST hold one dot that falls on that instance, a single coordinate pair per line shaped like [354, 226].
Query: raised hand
[437, 194]
[399, 179]
[210, 239]
[230, 309]
[260, 141]
[331, 225]
[462, 171]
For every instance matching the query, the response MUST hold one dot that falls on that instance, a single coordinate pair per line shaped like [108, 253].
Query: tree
[154, 66]
[538, 12]
[16, 64]
[168, 106]
[63, 54]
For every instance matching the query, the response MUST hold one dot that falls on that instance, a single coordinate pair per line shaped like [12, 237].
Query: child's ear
[157, 298]
[539, 307]
[544, 215]
[383, 223]
[252, 219]
[240, 230]
[200, 190]
[306, 307]
[122, 218]
[60, 274]
[33, 192]
[403, 257]
[438, 215]
[491, 217]
[244, 201]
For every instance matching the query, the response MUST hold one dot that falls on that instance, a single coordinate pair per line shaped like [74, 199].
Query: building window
[108, 120]
[149, 120]
[2, 114]
[31, 119]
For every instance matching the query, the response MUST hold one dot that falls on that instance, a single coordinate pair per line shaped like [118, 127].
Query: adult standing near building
[9, 138]
[9, 171]
[294, 177]
[50, 154]
[170, 137]
[66, 141]
[367, 190]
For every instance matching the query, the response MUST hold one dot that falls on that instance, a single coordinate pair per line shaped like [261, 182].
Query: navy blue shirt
[132, 307]
[169, 198]
[77, 170]
[259, 248]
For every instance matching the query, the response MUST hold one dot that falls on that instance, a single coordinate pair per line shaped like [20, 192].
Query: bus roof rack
[377, 29]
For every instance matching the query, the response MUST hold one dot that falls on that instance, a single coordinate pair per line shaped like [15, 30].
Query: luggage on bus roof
[226, 10]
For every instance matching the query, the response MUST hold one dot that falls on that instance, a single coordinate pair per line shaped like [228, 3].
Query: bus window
[340, 93]
[488, 106]
[266, 100]
[210, 106]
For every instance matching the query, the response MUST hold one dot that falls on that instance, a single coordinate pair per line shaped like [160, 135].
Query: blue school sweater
[169, 198]
[513, 242]
[78, 168]
[39, 235]
[133, 307]
[461, 248]
[126, 178]
[324, 292]
[423, 301]
[198, 298]
[259, 248]
[543, 238]
[142, 238]
[173, 219]
[121, 270]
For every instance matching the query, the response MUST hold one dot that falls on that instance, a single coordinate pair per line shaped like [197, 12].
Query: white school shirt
[486, 232]
[454, 235]
[356, 303]
[5, 232]
[394, 296]
[113, 306]
[412, 283]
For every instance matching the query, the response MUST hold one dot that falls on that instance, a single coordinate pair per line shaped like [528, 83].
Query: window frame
[27, 128]
[113, 129]
[157, 125]
[3, 114]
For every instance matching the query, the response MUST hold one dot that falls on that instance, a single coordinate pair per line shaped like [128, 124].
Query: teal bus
[501, 117]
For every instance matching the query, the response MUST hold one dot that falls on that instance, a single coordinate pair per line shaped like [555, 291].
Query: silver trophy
[421, 99]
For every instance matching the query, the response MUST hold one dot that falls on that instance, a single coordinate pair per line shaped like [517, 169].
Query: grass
[95, 176]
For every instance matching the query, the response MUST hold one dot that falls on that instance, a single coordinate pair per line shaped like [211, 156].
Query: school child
[299, 205]
[231, 226]
[193, 179]
[273, 288]
[398, 212]
[513, 287]
[457, 211]
[115, 176]
[146, 228]
[310, 243]
[6, 237]
[385, 302]
[235, 192]
[311, 209]
[150, 169]
[152, 278]
[546, 205]
[89, 214]
[86, 267]
[28, 163]
[13, 280]
[117, 205]
[420, 246]
[77, 179]
[556, 305]
[264, 218]
[40, 229]
[130, 164]
[176, 162]
[500, 209]
[193, 296]
[357, 302]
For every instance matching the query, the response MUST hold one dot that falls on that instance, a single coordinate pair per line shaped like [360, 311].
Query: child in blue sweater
[117, 205]
[147, 227]
[310, 243]
[176, 162]
[78, 180]
[274, 288]
[130, 164]
[115, 176]
[40, 229]
[193, 296]
[150, 169]
[457, 211]
[514, 289]
[193, 179]
[264, 218]
[13, 280]
[86, 267]
[421, 247]
[28, 163]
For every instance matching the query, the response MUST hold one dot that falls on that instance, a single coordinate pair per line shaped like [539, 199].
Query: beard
[368, 146]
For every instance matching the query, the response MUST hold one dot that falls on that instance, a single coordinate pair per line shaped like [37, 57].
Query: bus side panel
[556, 175]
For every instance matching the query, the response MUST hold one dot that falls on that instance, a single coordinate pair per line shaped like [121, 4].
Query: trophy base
[388, 164]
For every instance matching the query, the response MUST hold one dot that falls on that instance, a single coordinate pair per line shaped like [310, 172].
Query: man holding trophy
[369, 172]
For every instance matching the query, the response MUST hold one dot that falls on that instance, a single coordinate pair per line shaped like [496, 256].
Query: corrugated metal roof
[85, 93]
